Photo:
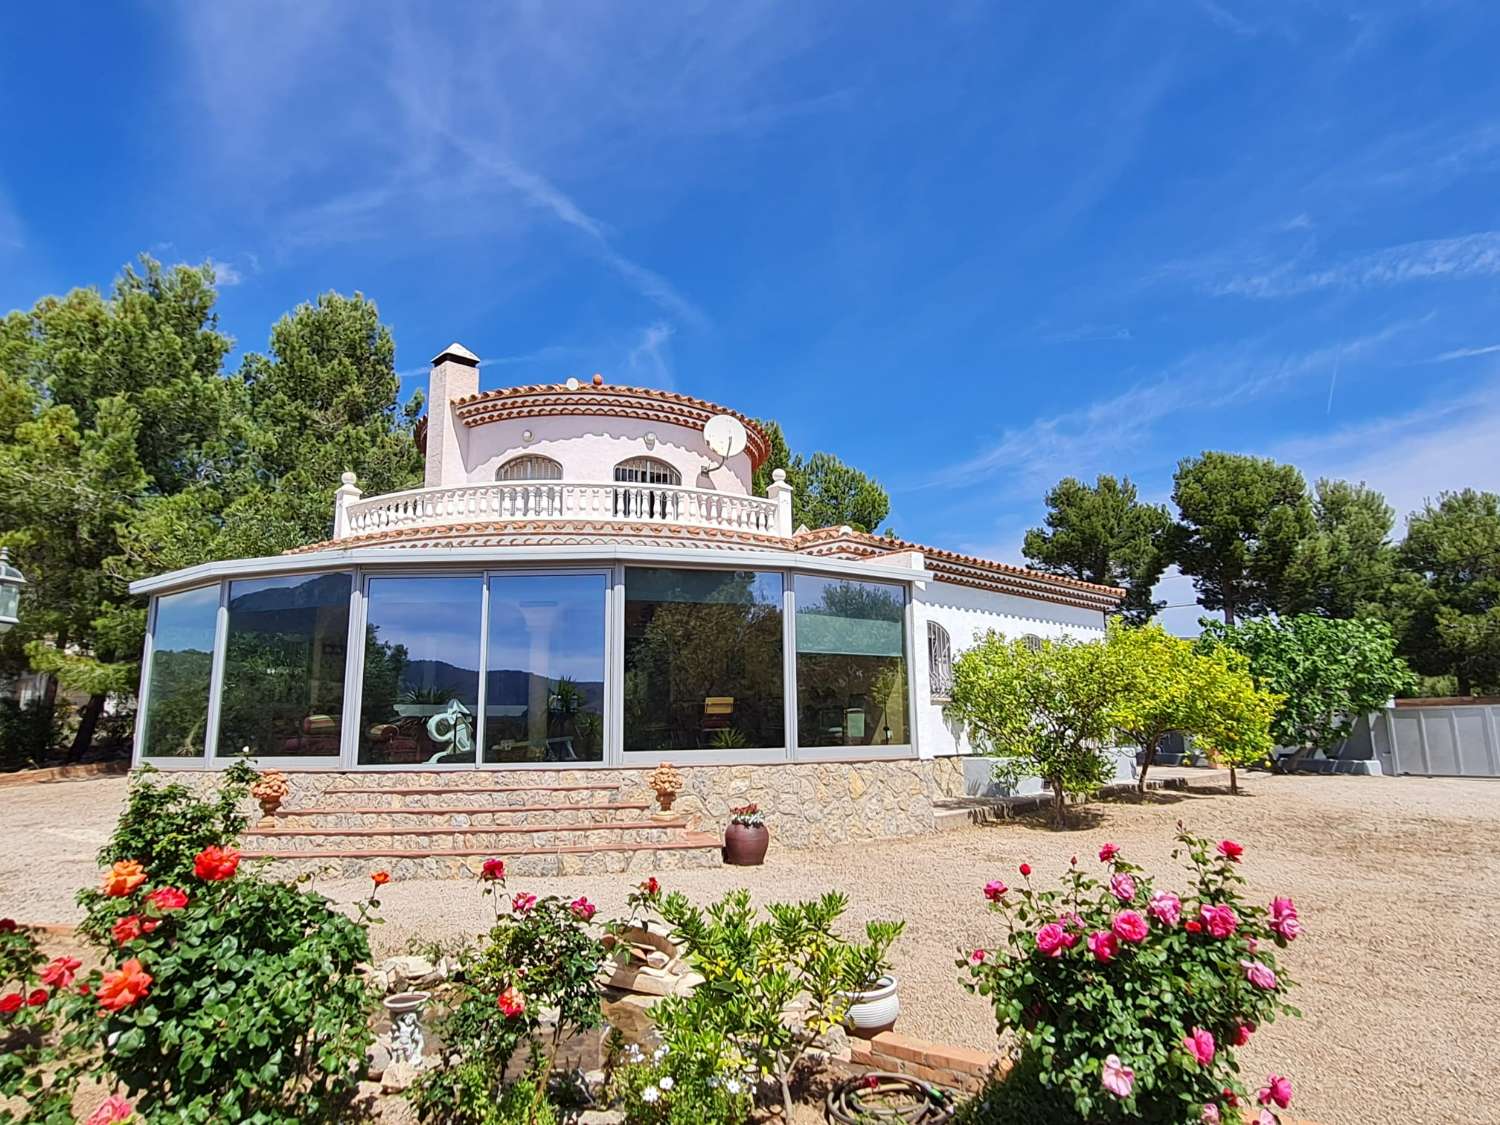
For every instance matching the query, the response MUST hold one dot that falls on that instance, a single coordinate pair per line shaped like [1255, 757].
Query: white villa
[585, 587]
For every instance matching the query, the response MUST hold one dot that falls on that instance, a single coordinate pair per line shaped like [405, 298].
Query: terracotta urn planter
[666, 781]
[746, 838]
[269, 790]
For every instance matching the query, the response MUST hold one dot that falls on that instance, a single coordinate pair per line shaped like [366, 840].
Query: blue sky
[969, 247]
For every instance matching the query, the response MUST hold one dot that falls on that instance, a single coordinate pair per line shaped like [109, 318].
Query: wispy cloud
[1468, 256]
[1465, 353]
[1221, 15]
[651, 354]
[1118, 426]
[225, 274]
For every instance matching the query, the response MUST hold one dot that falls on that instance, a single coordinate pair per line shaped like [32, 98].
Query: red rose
[167, 899]
[510, 1003]
[1231, 851]
[7, 925]
[37, 998]
[381, 878]
[127, 929]
[216, 864]
[60, 971]
[493, 871]
[1193, 926]
[651, 886]
[1108, 852]
[1025, 869]
[11, 1002]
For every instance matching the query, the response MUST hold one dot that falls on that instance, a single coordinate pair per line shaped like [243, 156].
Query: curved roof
[604, 400]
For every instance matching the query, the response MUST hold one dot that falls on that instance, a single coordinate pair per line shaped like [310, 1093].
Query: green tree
[1328, 672]
[1044, 711]
[325, 400]
[825, 491]
[1240, 522]
[1164, 683]
[1346, 566]
[1445, 602]
[1103, 533]
[108, 404]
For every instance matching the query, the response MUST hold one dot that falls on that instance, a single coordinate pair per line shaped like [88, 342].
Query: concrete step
[686, 849]
[493, 837]
[460, 792]
[457, 815]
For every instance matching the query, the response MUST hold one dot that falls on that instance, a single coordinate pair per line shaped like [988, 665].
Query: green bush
[233, 996]
[27, 733]
[538, 957]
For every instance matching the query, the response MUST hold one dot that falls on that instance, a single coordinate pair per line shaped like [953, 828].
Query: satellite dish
[725, 435]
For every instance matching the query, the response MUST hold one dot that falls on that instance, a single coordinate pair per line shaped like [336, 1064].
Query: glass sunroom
[449, 659]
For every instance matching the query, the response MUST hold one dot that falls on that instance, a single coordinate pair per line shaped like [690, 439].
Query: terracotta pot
[745, 846]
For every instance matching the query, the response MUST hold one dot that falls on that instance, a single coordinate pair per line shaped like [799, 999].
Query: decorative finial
[778, 475]
[348, 478]
[598, 379]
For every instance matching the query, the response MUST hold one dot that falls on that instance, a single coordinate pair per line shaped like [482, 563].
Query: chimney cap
[456, 353]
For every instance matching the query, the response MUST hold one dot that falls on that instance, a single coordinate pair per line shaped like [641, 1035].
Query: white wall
[589, 448]
[968, 614]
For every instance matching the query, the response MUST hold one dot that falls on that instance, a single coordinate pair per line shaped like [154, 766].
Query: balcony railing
[560, 500]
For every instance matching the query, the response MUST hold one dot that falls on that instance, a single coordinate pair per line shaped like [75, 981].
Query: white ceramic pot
[876, 1009]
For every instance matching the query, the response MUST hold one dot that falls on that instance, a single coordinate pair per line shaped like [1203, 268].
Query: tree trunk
[88, 720]
[1147, 757]
[1234, 782]
[1059, 804]
[1228, 612]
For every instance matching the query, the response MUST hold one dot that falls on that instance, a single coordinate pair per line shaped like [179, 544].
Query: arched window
[646, 470]
[939, 661]
[529, 466]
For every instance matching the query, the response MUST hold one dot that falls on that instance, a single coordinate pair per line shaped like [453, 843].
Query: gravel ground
[1394, 879]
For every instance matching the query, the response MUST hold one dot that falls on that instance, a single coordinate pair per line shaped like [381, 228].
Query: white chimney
[455, 375]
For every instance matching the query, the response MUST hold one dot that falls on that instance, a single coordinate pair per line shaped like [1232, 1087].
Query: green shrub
[28, 732]
[233, 997]
[539, 956]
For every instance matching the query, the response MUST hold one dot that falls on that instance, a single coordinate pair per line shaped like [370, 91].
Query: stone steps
[456, 816]
[446, 827]
[688, 849]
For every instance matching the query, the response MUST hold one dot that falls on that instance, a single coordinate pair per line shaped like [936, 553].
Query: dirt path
[1395, 880]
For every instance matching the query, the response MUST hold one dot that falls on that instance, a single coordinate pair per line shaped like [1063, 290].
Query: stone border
[81, 772]
[952, 1067]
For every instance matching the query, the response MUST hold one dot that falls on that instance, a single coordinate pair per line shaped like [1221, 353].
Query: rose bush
[1126, 1001]
[226, 996]
[539, 957]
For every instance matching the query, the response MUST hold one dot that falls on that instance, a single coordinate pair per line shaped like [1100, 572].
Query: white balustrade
[500, 501]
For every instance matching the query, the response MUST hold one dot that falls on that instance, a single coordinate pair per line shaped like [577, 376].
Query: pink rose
[521, 902]
[1128, 925]
[995, 890]
[1165, 907]
[977, 957]
[1052, 939]
[1103, 945]
[582, 908]
[1116, 1077]
[1122, 886]
[111, 1109]
[1108, 852]
[1259, 975]
[1277, 1089]
[1210, 1114]
[1290, 928]
[1200, 1044]
[1219, 921]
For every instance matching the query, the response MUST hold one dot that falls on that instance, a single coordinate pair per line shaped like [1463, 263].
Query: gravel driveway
[1394, 878]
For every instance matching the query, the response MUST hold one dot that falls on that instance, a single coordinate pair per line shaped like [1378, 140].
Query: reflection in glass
[182, 657]
[851, 663]
[703, 660]
[284, 666]
[420, 699]
[544, 683]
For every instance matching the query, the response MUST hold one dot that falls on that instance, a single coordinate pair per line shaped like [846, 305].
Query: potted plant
[874, 1002]
[747, 837]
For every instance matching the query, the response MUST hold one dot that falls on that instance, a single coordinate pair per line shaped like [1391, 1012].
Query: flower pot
[874, 1010]
[745, 846]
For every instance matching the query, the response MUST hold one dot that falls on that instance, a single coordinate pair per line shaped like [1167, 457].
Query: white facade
[967, 614]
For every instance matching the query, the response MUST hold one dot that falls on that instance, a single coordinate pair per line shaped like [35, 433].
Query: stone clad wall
[806, 804]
